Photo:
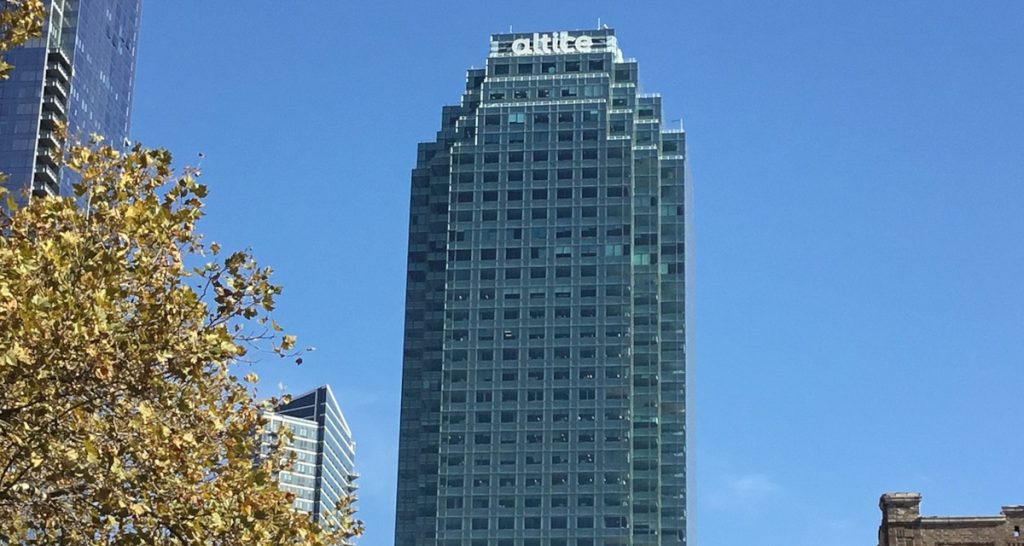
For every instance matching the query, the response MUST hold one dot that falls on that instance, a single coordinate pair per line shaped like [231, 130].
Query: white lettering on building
[559, 42]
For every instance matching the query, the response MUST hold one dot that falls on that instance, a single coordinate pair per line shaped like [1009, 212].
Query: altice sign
[558, 42]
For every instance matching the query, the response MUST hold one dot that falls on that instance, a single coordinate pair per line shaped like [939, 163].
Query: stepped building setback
[544, 397]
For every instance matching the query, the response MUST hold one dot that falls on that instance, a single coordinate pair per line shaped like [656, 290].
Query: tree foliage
[121, 419]
[20, 20]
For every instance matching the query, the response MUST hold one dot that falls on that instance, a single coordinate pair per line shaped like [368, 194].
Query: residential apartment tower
[324, 470]
[80, 73]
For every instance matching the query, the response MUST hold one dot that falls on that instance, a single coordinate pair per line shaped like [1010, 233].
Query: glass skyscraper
[80, 73]
[324, 469]
[544, 382]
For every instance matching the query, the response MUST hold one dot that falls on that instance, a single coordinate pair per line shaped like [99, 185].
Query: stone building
[903, 525]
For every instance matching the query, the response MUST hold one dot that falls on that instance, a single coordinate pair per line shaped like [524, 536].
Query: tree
[20, 20]
[121, 330]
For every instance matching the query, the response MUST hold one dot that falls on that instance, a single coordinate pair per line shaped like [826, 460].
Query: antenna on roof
[598, 22]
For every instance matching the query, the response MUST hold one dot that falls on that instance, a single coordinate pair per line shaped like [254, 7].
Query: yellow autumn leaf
[129, 373]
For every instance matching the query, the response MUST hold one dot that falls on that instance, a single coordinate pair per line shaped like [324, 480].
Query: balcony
[49, 120]
[49, 139]
[54, 104]
[46, 156]
[58, 65]
[44, 189]
[46, 173]
[58, 71]
[45, 182]
[56, 88]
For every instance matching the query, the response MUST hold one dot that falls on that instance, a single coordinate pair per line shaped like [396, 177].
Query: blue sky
[859, 188]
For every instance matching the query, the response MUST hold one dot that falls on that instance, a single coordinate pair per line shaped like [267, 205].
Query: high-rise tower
[544, 382]
[79, 73]
[324, 469]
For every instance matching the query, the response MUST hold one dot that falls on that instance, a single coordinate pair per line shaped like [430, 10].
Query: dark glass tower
[80, 73]
[544, 381]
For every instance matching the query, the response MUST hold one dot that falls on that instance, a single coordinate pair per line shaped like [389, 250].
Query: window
[526, 68]
[614, 522]
[517, 118]
[547, 68]
[572, 66]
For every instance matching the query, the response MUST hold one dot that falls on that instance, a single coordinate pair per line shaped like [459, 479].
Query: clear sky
[859, 214]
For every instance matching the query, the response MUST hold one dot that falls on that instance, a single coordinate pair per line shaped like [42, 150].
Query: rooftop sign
[559, 42]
